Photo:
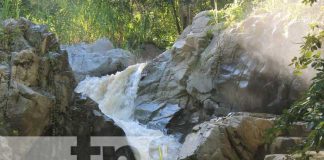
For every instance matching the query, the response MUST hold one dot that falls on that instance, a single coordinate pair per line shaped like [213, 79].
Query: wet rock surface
[209, 73]
[188, 90]
[156, 116]
[85, 118]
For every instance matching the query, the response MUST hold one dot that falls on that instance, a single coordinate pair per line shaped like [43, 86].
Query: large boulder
[37, 86]
[84, 118]
[210, 72]
[97, 59]
[239, 136]
[35, 77]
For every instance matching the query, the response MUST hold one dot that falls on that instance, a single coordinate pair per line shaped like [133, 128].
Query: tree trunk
[212, 2]
[176, 17]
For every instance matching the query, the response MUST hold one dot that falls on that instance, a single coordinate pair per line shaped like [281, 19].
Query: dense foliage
[310, 108]
[309, 1]
[128, 23]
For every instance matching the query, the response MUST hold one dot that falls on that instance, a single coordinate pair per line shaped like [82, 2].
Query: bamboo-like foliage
[128, 23]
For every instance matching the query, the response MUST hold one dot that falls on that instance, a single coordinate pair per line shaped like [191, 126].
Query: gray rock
[147, 52]
[239, 136]
[97, 59]
[37, 85]
[278, 157]
[282, 145]
[312, 156]
[155, 115]
[35, 78]
[85, 118]
[209, 72]
[6, 150]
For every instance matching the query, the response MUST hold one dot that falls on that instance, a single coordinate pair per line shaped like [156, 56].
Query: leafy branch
[310, 108]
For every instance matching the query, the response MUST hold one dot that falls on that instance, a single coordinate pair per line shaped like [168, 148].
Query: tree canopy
[128, 23]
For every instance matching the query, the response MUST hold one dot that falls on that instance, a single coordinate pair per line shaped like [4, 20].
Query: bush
[310, 108]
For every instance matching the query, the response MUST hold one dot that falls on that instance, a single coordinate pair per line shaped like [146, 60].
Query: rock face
[97, 59]
[209, 73]
[35, 77]
[147, 52]
[37, 86]
[6, 151]
[313, 156]
[282, 145]
[156, 116]
[85, 118]
[239, 136]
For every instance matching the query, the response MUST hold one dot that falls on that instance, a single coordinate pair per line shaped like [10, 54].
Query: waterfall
[115, 95]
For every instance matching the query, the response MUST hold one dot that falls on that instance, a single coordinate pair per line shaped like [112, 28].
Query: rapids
[115, 95]
[269, 36]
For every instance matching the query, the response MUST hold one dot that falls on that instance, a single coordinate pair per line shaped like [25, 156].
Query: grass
[128, 24]
[87, 20]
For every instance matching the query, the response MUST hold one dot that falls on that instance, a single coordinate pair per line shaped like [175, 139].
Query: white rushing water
[115, 95]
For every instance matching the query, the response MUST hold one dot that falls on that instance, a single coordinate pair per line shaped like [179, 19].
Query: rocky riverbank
[214, 91]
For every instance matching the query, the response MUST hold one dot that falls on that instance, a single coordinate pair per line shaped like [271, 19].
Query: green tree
[128, 23]
[310, 108]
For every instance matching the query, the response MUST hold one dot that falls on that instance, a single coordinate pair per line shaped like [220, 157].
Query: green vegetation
[233, 13]
[128, 23]
[6, 36]
[309, 1]
[160, 153]
[310, 108]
